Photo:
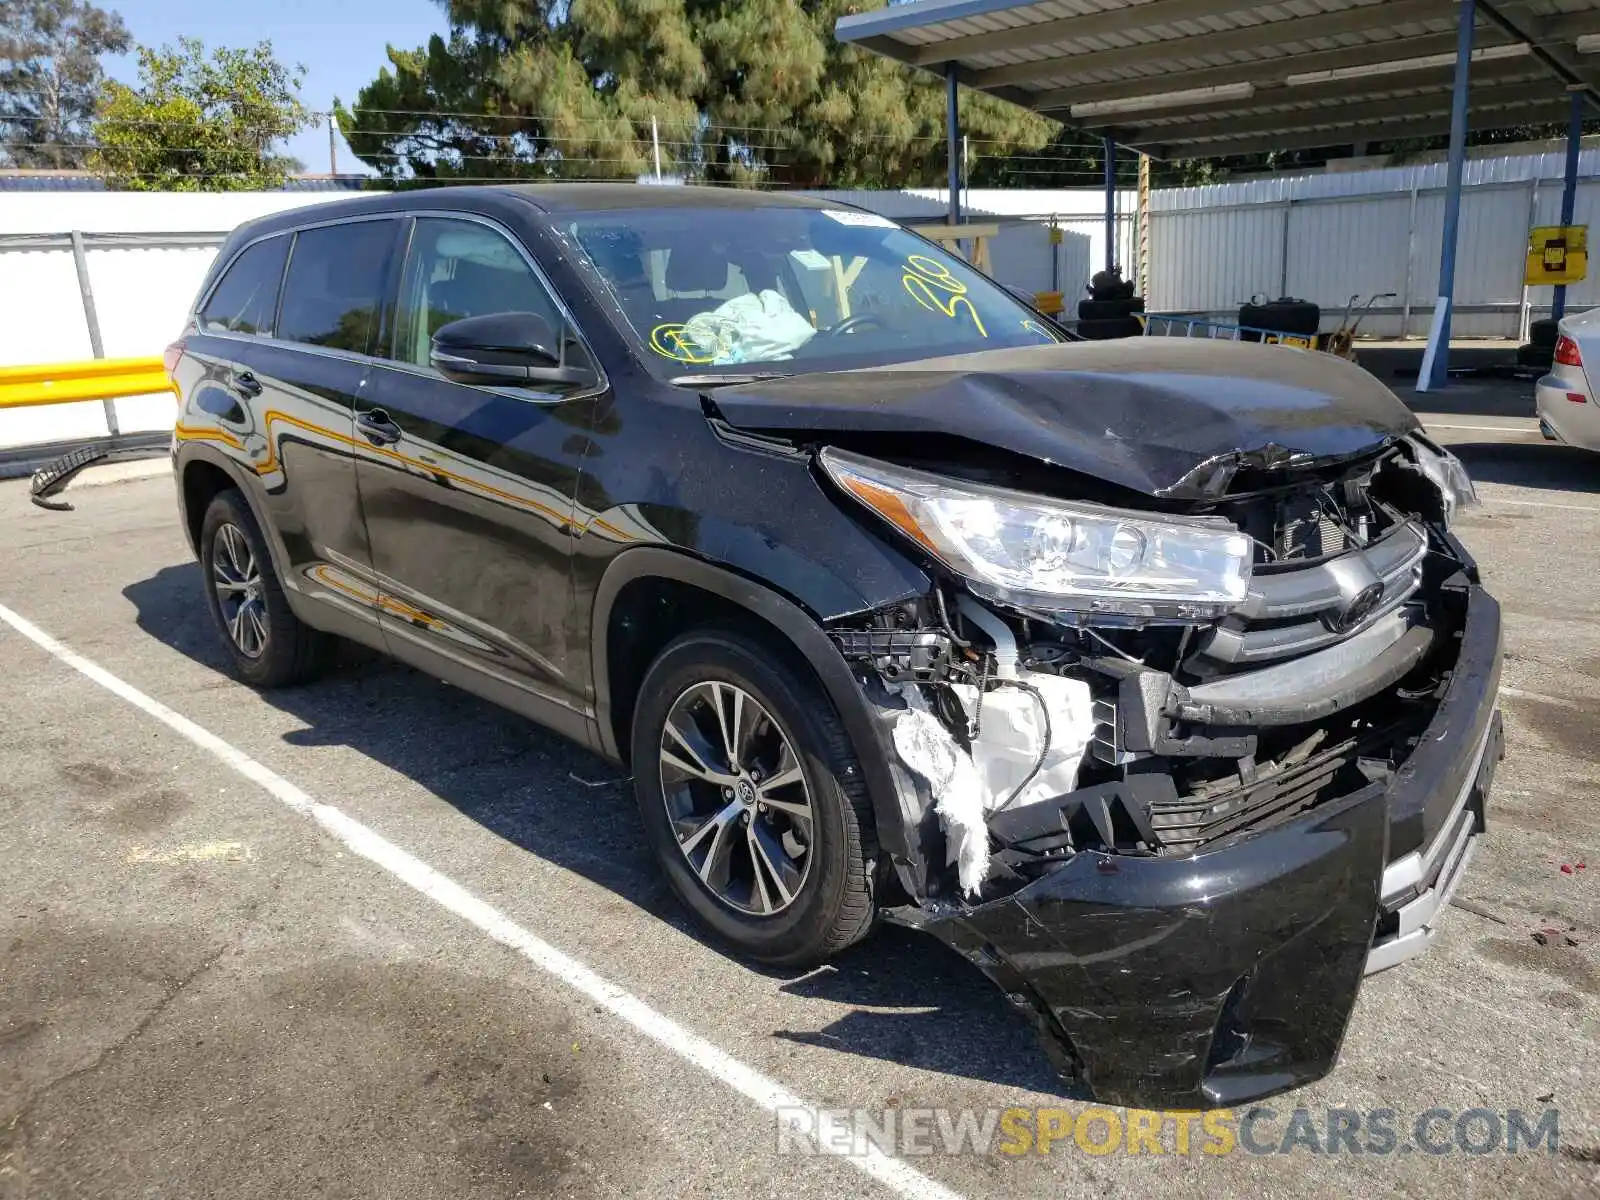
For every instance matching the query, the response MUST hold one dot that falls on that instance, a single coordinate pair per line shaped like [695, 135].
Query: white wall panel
[1215, 261]
[1341, 248]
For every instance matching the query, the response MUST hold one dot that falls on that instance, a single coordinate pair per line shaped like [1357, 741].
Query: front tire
[752, 800]
[267, 645]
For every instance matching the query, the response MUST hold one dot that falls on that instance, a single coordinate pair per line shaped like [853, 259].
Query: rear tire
[267, 645]
[824, 860]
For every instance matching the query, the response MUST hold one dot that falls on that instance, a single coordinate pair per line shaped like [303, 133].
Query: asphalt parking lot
[405, 944]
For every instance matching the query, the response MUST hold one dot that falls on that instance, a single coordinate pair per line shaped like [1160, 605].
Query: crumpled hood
[1164, 416]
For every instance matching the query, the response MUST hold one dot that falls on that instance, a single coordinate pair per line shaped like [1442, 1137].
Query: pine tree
[743, 91]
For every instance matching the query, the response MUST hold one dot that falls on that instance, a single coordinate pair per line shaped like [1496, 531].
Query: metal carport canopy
[1204, 78]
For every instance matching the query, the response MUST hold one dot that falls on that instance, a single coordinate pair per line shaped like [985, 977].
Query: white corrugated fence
[1325, 237]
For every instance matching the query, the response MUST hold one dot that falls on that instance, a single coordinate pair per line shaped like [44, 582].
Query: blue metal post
[1111, 203]
[952, 136]
[1436, 361]
[1569, 188]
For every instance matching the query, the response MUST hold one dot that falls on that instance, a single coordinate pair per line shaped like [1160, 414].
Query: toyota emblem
[1362, 605]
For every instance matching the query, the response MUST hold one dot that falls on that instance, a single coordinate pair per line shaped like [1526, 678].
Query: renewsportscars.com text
[1261, 1129]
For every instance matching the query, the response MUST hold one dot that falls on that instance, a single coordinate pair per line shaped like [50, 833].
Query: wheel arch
[639, 575]
[204, 472]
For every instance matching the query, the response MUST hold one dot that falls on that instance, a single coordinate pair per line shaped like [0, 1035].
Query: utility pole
[333, 144]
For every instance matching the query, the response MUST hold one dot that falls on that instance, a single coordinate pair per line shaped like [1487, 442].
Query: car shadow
[913, 1001]
[1543, 465]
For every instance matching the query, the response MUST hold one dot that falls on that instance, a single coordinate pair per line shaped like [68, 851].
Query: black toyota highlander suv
[1146, 674]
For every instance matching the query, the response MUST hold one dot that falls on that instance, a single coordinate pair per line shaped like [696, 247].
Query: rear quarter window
[335, 284]
[246, 298]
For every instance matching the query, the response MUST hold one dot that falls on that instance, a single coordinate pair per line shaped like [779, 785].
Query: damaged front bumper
[1230, 974]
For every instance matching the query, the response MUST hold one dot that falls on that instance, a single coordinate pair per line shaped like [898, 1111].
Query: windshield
[815, 288]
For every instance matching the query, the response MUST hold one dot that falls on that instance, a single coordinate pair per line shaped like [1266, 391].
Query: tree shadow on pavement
[915, 1002]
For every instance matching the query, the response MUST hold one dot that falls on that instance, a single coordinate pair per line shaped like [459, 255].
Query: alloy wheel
[237, 577]
[736, 798]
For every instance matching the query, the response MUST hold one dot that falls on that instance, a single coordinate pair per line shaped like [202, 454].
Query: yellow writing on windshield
[670, 341]
[932, 286]
[1033, 326]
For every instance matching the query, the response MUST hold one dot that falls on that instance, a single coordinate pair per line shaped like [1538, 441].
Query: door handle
[378, 429]
[246, 384]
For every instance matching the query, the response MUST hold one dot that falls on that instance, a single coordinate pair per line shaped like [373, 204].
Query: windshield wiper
[719, 380]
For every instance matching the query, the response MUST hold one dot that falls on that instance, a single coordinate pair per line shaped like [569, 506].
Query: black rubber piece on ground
[1109, 285]
[1544, 332]
[1533, 355]
[835, 906]
[294, 652]
[1283, 315]
[1104, 310]
[1114, 327]
[48, 480]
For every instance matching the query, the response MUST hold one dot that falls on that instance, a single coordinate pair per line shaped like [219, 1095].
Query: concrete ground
[204, 992]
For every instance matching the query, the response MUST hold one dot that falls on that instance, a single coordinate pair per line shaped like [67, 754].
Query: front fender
[896, 805]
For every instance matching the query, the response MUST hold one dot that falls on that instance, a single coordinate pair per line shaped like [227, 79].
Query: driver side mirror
[510, 349]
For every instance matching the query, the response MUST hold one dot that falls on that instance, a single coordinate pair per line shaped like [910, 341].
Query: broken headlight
[1054, 553]
[1445, 471]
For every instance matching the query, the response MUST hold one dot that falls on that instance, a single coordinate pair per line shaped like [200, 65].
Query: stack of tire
[1540, 352]
[1110, 310]
[1283, 315]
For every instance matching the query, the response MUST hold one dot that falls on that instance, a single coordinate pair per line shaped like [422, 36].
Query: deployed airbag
[1027, 744]
[755, 327]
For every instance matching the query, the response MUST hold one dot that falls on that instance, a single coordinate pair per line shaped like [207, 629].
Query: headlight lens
[1447, 474]
[1055, 553]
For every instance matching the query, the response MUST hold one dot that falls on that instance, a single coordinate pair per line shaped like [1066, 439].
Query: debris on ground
[1477, 910]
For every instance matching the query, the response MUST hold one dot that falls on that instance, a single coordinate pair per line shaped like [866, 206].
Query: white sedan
[1564, 399]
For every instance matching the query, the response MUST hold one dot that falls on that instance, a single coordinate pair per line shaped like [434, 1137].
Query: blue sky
[339, 42]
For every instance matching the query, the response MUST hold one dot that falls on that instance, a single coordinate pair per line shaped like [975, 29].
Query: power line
[699, 129]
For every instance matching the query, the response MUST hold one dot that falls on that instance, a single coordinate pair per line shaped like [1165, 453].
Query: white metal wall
[1326, 237]
[141, 294]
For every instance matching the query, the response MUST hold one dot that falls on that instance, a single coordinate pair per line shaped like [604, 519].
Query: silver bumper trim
[1406, 873]
[1450, 852]
[1419, 920]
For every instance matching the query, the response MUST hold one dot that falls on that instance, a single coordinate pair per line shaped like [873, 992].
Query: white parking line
[1533, 429]
[764, 1092]
[1546, 504]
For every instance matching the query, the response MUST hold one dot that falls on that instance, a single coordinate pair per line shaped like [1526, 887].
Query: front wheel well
[650, 612]
[203, 482]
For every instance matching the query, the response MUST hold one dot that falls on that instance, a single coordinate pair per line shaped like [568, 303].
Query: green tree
[199, 122]
[50, 78]
[754, 91]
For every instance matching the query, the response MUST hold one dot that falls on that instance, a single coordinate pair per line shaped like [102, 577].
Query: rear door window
[335, 284]
[246, 298]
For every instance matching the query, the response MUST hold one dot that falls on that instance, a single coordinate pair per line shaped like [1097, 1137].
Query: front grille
[1293, 611]
[1277, 793]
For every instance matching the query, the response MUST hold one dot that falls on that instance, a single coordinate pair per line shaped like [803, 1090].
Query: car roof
[591, 197]
[502, 200]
